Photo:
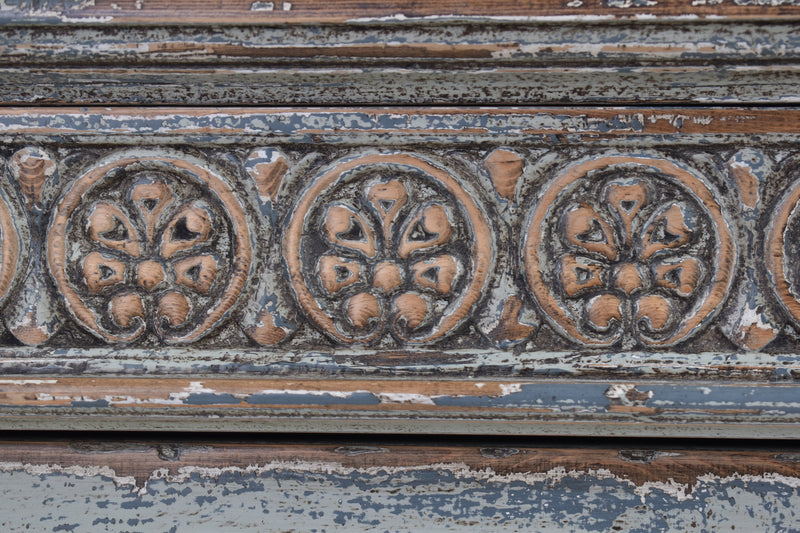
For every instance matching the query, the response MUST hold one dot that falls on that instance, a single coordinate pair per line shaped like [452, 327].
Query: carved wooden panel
[194, 263]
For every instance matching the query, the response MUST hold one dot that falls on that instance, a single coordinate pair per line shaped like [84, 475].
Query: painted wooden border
[379, 485]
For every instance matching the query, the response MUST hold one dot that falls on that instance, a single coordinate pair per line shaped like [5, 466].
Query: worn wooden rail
[374, 486]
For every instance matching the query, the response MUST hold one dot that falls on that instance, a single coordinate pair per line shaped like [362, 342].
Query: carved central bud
[149, 274]
[388, 276]
[628, 278]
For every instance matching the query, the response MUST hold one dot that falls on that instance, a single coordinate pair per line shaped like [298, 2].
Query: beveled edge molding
[249, 12]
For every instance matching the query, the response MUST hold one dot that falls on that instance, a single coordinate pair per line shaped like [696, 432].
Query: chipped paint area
[307, 496]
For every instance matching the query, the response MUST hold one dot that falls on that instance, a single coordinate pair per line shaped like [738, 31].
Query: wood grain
[246, 11]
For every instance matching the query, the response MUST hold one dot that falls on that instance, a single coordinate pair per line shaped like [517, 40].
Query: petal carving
[627, 198]
[346, 228]
[430, 228]
[410, 309]
[197, 273]
[584, 227]
[109, 226]
[603, 311]
[579, 274]
[667, 230]
[174, 307]
[151, 198]
[628, 278]
[337, 273]
[189, 227]
[438, 273]
[363, 309]
[100, 272]
[125, 308]
[683, 277]
[388, 199]
[654, 310]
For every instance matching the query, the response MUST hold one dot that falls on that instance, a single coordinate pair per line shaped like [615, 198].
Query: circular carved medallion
[11, 247]
[782, 248]
[149, 244]
[388, 244]
[628, 250]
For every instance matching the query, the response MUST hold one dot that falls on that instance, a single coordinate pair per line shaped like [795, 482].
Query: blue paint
[90, 403]
[562, 395]
[356, 398]
[208, 398]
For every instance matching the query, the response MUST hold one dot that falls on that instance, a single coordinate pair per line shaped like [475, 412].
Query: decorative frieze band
[472, 246]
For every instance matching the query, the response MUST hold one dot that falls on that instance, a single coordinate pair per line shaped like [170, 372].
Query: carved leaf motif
[100, 271]
[152, 198]
[363, 309]
[627, 199]
[667, 230]
[603, 311]
[125, 308]
[579, 274]
[174, 307]
[345, 227]
[197, 273]
[387, 199]
[505, 168]
[411, 309]
[189, 227]
[431, 227]
[112, 228]
[438, 273]
[655, 310]
[585, 228]
[267, 167]
[337, 273]
[32, 167]
[683, 276]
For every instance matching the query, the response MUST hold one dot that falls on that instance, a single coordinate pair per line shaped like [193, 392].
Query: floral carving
[628, 250]
[388, 244]
[150, 251]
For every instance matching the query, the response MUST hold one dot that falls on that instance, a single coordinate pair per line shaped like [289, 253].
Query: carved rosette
[783, 249]
[628, 250]
[388, 244]
[151, 244]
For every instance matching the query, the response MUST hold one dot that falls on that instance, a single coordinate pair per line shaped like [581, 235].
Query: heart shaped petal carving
[628, 251]
[150, 247]
[388, 244]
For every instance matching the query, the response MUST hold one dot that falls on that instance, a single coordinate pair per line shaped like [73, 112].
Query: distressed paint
[400, 11]
[513, 85]
[522, 406]
[443, 126]
[79, 485]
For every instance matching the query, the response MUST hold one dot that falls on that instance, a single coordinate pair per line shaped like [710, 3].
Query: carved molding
[522, 246]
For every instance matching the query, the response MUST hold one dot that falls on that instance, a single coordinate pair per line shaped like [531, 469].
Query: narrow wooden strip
[661, 85]
[444, 121]
[238, 11]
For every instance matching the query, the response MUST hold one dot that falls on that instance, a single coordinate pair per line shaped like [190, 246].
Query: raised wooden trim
[249, 12]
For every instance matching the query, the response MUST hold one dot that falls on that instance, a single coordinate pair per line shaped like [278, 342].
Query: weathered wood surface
[637, 60]
[378, 486]
[514, 271]
[263, 12]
